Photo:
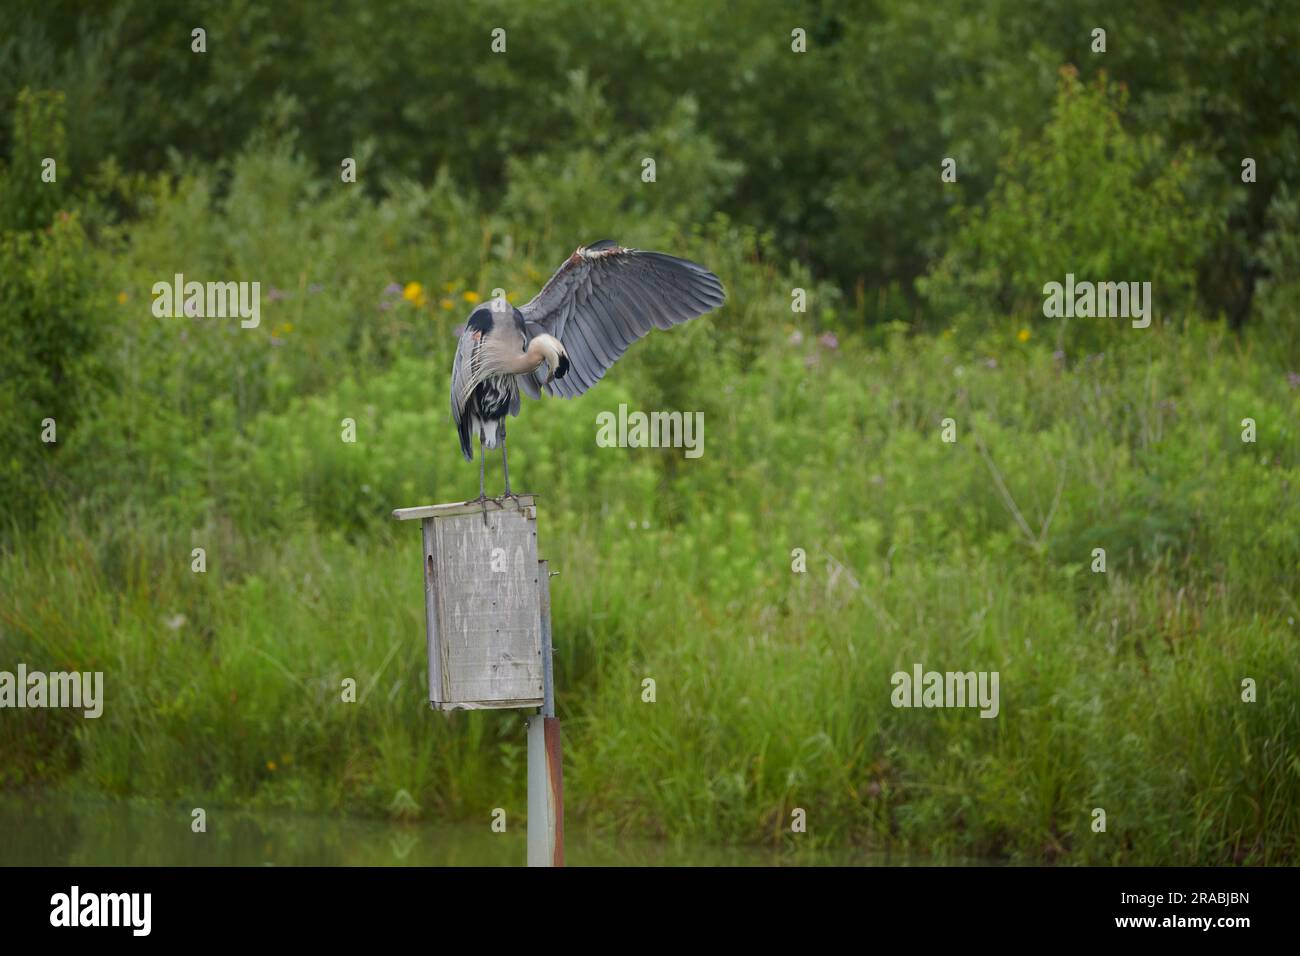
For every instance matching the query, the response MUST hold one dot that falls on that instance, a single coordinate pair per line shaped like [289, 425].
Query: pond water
[57, 831]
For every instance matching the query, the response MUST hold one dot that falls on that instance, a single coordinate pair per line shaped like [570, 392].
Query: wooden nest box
[485, 604]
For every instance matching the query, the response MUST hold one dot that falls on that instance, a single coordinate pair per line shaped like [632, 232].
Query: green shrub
[1277, 299]
[54, 317]
[28, 199]
[1087, 198]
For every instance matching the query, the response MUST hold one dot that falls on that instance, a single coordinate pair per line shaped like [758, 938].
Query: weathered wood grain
[430, 538]
[466, 507]
[482, 599]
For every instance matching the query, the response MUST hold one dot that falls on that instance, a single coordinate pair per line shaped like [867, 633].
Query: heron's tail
[466, 446]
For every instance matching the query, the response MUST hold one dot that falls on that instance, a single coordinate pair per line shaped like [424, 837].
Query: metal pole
[545, 772]
[548, 668]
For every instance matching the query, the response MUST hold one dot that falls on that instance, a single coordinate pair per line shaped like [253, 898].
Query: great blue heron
[599, 302]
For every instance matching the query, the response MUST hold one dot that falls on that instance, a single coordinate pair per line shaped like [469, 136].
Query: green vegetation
[822, 430]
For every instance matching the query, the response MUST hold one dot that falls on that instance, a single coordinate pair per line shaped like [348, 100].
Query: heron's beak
[558, 369]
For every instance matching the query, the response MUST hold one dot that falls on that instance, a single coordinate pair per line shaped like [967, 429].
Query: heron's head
[553, 354]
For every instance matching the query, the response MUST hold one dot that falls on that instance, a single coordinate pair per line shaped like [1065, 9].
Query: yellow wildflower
[1023, 335]
[414, 294]
[447, 304]
[270, 765]
[121, 298]
[471, 297]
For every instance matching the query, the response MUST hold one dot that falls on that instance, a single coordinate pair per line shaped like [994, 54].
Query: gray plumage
[478, 401]
[601, 300]
[606, 297]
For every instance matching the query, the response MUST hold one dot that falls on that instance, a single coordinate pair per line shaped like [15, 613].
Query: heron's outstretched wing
[606, 297]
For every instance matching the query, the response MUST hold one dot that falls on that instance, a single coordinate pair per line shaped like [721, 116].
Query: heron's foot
[482, 499]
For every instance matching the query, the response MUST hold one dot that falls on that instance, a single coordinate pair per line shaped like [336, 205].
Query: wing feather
[460, 376]
[606, 297]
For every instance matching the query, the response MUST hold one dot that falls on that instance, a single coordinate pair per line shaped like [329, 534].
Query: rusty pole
[545, 766]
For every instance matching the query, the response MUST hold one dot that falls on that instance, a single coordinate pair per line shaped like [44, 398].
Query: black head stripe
[480, 321]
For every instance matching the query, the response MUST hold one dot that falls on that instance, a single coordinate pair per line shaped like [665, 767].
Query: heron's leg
[505, 465]
[482, 463]
[482, 458]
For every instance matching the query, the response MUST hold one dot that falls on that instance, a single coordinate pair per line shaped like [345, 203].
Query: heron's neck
[541, 349]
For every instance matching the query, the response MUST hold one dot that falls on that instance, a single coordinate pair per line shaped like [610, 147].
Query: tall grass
[1120, 691]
